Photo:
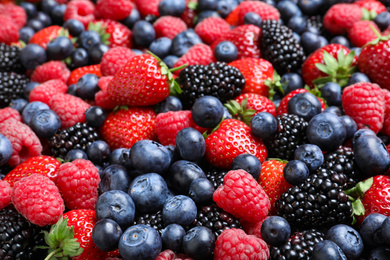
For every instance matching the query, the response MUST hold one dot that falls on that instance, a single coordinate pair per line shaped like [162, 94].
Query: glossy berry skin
[263, 125]
[207, 111]
[201, 191]
[181, 174]
[120, 156]
[291, 81]
[184, 41]
[350, 126]
[31, 109]
[45, 123]
[190, 144]
[171, 7]
[116, 205]
[88, 39]
[95, 116]
[199, 242]
[143, 33]
[331, 92]
[18, 104]
[161, 47]
[75, 154]
[59, 49]
[305, 105]
[369, 228]
[385, 228]
[87, 86]
[170, 60]
[74, 26]
[327, 249]
[114, 177]
[79, 58]
[96, 52]
[348, 239]
[5, 150]
[172, 237]
[248, 163]
[252, 18]
[32, 56]
[295, 172]
[226, 51]
[106, 234]
[171, 103]
[381, 252]
[382, 20]
[98, 151]
[275, 230]
[311, 155]
[357, 77]
[140, 242]
[180, 210]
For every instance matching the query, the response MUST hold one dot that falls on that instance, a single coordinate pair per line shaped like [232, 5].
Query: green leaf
[323, 68]
[366, 15]
[323, 80]
[358, 208]
[330, 61]
[363, 186]
[192, 5]
[164, 71]
[341, 58]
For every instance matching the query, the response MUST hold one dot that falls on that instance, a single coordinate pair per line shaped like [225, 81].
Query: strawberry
[371, 5]
[169, 26]
[49, 71]
[365, 103]
[170, 123]
[43, 164]
[147, 7]
[126, 126]
[211, 29]
[264, 10]
[44, 36]
[80, 10]
[199, 54]
[9, 32]
[341, 17]
[114, 10]
[113, 33]
[333, 62]
[232, 18]
[16, 13]
[255, 71]
[257, 102]
[282, 108]
[144, 81]
[361, 33]
[76, 74]
[386, 122]
[230, 139]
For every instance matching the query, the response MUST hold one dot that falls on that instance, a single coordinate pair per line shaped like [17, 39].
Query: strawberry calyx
[316, 92]
[273, 85]
[338, 70]
[101, 30]
[193, 5]
[277, 159]
[379, 38]
[369, 15]
[240, 111]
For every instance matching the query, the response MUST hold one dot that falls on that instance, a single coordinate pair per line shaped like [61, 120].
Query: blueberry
[96, 52]
[133, 17]
[161, 47]
[341, 40]
[26, 33]
[137, 51]
[184, 41]
[275, 230]
[75, 27]
[305, 105]
[248, 163]
[143, 33]
[327, 250]
[311, 7]
[44, 18]
[172, 237]
[30, 109]
[379, 253]
[28, 88]
[385, 230]
[288, 9]
[331, 92]
[252, 18]
[5, 150]
[171, 103]
[297, 23]
[204, 15]
[170, 60]
[88, 39]
[181, 174]
[75, 154]
[190, 144]
[327, 131]
[171, 7]
[207, 111]
[357, 77]
[140, 242]
[30, 9]
[114, 177]
[333, 110]
[149, 156]
[120, 156]
[311, 155]
[18, 104]
[116, 205]
[382, 20]
[291, 81]
[106, 234]
[295, 172]
[57, 14]
[79, 58]
[225, 7]
[348, 239]
[207, 5]
[173, 153]
[226, 51]
[263, 125]
[199, 243]
[72, 90]
[87, 86]
[59, 48]
[35, 24]
[98, 151]
[370, 230]
[310, 42]
[45, 123]
[95, 116]
[48, 5]
[201, 191]
[180, 210]
[350, 126]
[32, 56]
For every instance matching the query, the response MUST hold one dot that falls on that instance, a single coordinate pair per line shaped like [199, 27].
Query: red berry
[102, 99]
[341, 17]
[15, 12]
[169, 26]
[51, 70]
[9, 113]
[81, 10]
[114, 9]
[47, 90]
[114, 59]
[170, 123]
[5, 194]
[9, 31]
[211, 29]
[199, 54]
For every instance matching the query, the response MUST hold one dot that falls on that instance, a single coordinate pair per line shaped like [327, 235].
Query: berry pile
[194, 129]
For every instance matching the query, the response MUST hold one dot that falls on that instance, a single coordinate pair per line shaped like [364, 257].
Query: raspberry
[170, 255]
[235, 244]
[253, 228]
[114, 9]
[9, 113]
[114, 59]
[78, 182]
[102, 99]
[81, 10]
[386, 123]
[51, 70]
[15, 12]
[264, 10]
[199, 54]
[361, 33]
[5, 194]
[170, 123]
[9, 31]
[38, 199]
[47, 90]
[241, 196]
[25, 143]
[211, 29]
[341, 17]
[169, 26]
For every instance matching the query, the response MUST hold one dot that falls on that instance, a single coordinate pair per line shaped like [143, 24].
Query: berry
[199, 54]
[45, 123]
[10, 59]
[5, 150]
[45, 91]
[50, 70]
[311, 155]
[161, 47]
[201, 191]
[305, 105]
[75, 154]
[248, 163]
[114, 10]
[264, 125]
[6, 193]
[180, 210]
[154, 220]
[143, 33]
[327, 249]
[169, 26]
[341, 17]
[59, 48]
[106, 234]
[9, 32]
[170, 123]
[171, 7]
[369, 228]
[181, 174]
[74, 26]
[190, 144]
[172, 237]
[226, 52]
[80, 10]
[275, 231]
[210, 29]
[199, 243]
[11, 87]
[347, 238]
[295, 172]
[362, 33]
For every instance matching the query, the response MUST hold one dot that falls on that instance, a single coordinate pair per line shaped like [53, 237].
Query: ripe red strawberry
[365, 103]
[37, 198]
[9, 113]
[51, 70]
[257, 102]
[264, 10]
[114, 9]
[25, 143]
[272, 180]
[43, 164]
[169, 26]
[241, 196]
[199, 54]
[117, 33]
[5, 194]
[114, 59]
[371, 5]
[361, 33]
[76, 74]
[282, 108]
[341, 17]
[232, 18]
[211, 29]
[126, 126]
[44, 36]
[16, 13]
[336, 66]
[170, 123]
[232, 138]
[255, 71]
[78, 182]
[144, 81]
[235, 244]
[69, 108]
[9, 32]
[386, 122]
[80, 10]
[47, 90]
[147, 7]
[102, 99]
[246, 39]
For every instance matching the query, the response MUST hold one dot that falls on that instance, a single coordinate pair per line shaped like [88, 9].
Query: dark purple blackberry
[216, 219]
[215, 176]
[290, 133]
[154, 220]
[4, 170]
[19, 238]
[216, 79]
[318, 202]
[79, 136]
[299, 246]
[314, 23]
[11, 87]
[279, 46]
[9, 59]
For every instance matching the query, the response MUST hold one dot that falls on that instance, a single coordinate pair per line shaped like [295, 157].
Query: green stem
[53, 253]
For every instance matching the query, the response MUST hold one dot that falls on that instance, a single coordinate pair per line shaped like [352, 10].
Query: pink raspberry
[211, 29]
[169, 26]
[114, 59]
[170, 123]
[241, 196]
[47, 90]
[386, 122]
[199, 54]
[8, 112]
[51, 70]
[82, 10]
[5, 194]
[15, 12]
[102, 99]
[253, 228]
[170, 255]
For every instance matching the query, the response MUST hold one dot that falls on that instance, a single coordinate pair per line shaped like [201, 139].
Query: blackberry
[318, 202]
[19, 238]
[216, 79]
[215, 176]
[78, 136]
[9, 59]
[11, 87]
[290, 133]
[216, 219]
[299, 246]
[315, 22]
[279, 46]
[154, 220]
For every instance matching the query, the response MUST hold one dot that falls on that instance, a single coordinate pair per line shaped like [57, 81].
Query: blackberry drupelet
[154, 220]
[315, 22]
[216, 79]
[290, 133]
[18, 237]
[215, 176]
[216, 219]
[279, 46]
[79, 136]
[9, 59]
[318, 202]
[11, 87]
[299, 246]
